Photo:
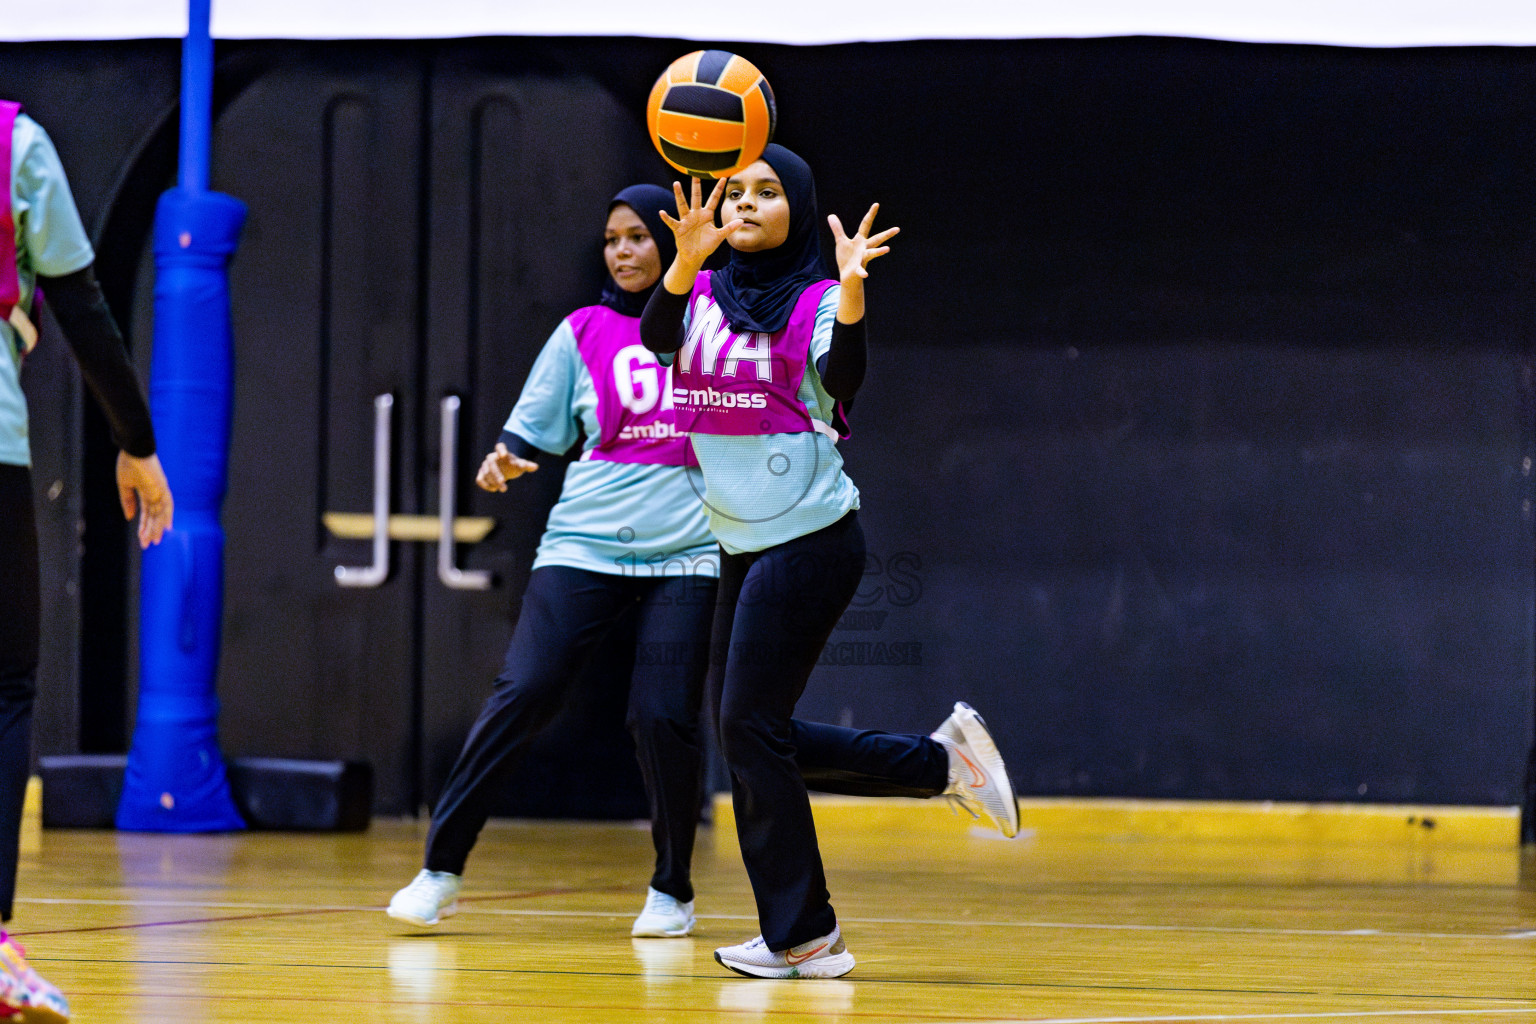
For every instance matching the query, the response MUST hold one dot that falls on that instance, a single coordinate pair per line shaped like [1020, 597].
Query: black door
[521, 166]
[413, 238]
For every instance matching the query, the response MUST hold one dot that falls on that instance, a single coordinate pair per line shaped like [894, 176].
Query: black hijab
[757, 290]
[647, 201]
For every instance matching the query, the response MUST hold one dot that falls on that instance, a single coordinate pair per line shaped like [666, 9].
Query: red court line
[536, 894]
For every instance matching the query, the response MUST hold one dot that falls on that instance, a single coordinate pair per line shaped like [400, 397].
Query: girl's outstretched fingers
[869, 219]
[694, 226]
[855, 252]
[877, 239]
[838, 235]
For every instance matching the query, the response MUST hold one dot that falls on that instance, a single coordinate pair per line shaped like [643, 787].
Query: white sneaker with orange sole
[826, 957]
[978, 782]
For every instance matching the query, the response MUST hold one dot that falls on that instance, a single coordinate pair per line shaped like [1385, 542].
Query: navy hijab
[757, 290]
[647, 201]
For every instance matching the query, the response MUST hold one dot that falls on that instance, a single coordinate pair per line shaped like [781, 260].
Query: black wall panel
[1187, 571]
[100, 103]
[510, 251]
[1195, 448]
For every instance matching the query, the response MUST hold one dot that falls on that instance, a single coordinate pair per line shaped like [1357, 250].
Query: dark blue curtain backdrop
[1195, 449]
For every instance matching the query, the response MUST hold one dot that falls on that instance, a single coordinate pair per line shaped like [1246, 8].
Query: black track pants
[775, 611]
[19, 612]
[565, 613]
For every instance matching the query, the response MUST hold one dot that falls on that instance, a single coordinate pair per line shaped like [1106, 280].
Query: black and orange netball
[710, 113]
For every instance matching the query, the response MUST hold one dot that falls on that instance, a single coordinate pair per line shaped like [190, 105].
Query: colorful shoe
[977, 779]
[25, 998]
[431, 896]
[13, 997]
[826, 957]
[664, 917]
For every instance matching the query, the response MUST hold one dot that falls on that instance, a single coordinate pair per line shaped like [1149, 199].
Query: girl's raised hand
[855, 252]
[694, 225]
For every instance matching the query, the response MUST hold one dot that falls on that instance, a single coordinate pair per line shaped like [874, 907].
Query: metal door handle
[375, 574]
[453, 577]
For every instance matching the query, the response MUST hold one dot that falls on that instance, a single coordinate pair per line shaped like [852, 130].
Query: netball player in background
[627, 530]
[763, 351]
[43, 242]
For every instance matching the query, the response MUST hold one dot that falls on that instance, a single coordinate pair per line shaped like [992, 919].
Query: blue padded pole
[196, 98]
[175, 780]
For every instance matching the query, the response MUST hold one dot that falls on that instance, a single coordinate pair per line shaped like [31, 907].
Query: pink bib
[634, 392]
[730, 383]
[10, 281]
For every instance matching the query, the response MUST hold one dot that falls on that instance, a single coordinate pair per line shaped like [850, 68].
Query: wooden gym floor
[1103, 912]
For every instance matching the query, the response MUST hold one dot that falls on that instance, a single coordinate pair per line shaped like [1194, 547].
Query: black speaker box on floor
[82, 791]
[301, 796]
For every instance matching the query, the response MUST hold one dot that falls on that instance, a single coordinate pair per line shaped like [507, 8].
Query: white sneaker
[826, 957]
[431, 896]
[664, 917]
[977, 778]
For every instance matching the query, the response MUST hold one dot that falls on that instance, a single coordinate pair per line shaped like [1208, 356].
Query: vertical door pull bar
[375, 574]
[453, 577]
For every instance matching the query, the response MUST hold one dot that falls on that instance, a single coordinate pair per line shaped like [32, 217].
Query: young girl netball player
[763, 352]
[42, 242]
[628, 529]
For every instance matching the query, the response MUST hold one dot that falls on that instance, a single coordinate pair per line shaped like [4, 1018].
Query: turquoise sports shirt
[50, 240]
[765, 489]
[621, 518]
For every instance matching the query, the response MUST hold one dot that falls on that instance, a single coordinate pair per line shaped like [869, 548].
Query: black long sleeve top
[81, 309]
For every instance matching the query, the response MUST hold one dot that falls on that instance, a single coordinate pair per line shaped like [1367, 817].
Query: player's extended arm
[502, 465]
[97, 343]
